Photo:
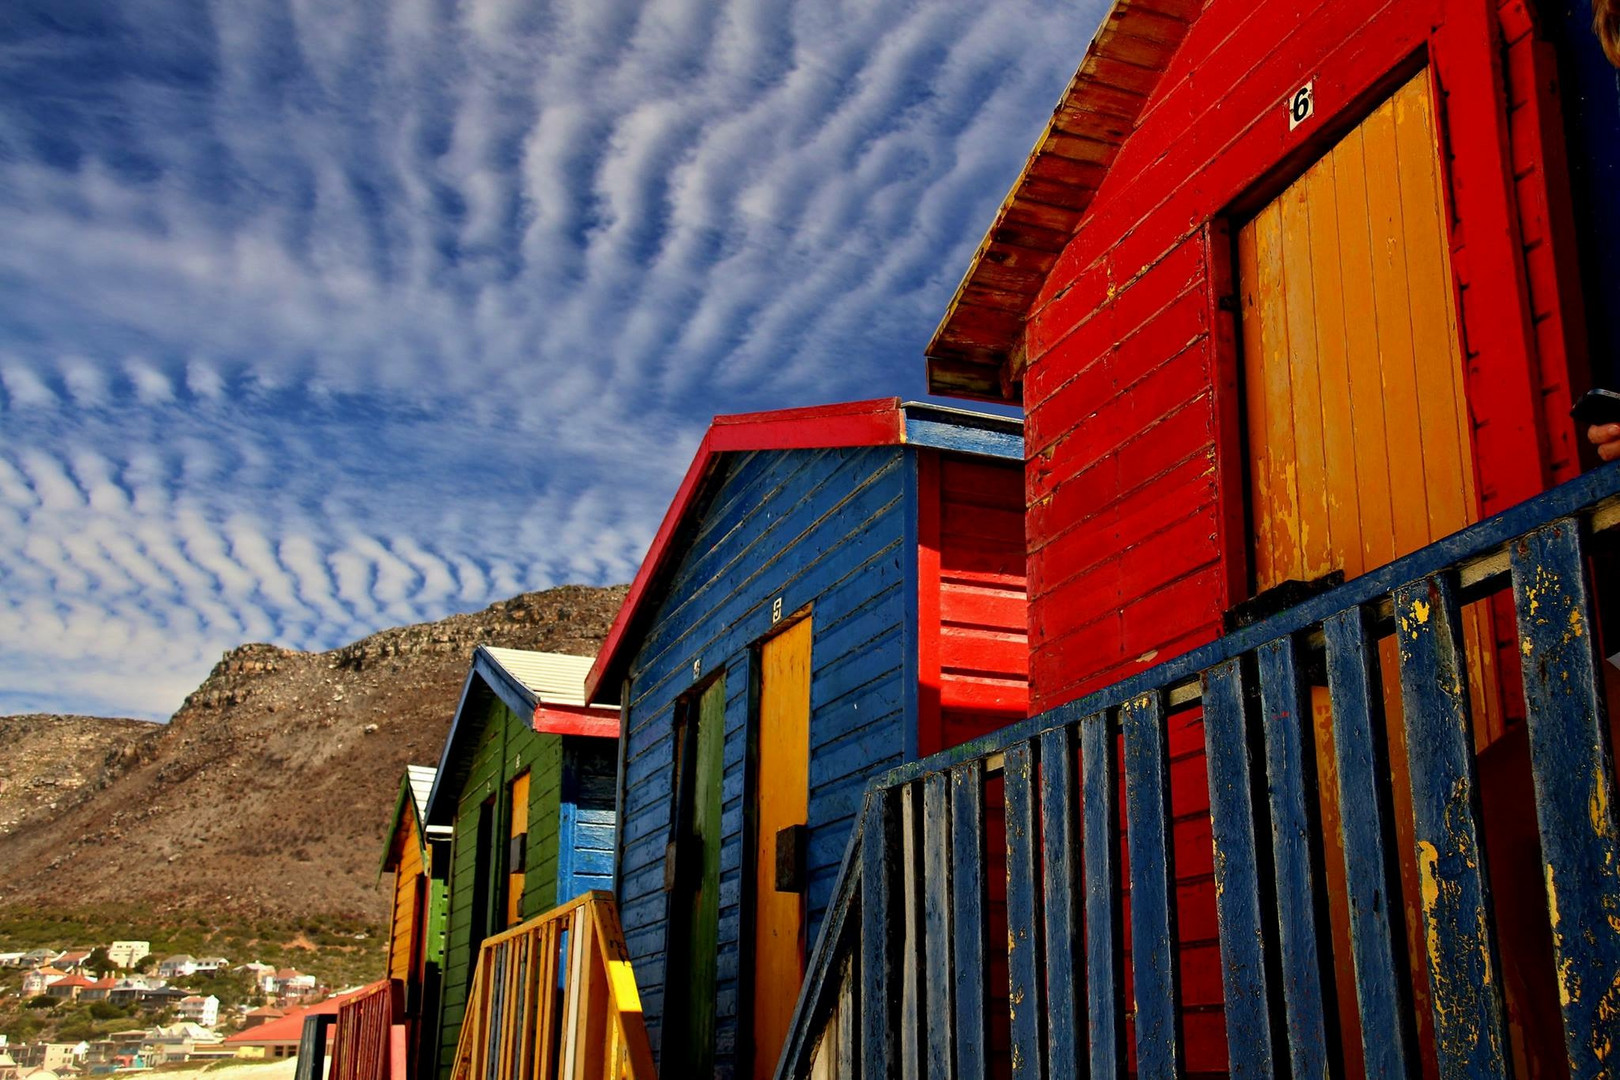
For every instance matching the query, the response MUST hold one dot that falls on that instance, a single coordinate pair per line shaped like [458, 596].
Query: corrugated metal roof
[553, 678]
[421, 778]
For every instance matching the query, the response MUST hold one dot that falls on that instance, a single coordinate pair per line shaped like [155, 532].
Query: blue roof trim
[486, 677]
[966, 432]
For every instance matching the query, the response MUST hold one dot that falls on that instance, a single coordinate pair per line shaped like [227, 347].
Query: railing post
[1574, 783]
[1065, 947]
[1105, 929]
[880, 939]
[1383, 989]
[1025, 963]
[1153, 902]
[1239, 906]
[937, 936]
[967, 918]
[1296, 863]
[1465, 979]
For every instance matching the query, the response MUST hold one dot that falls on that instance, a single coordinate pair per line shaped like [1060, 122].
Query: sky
[317, 318]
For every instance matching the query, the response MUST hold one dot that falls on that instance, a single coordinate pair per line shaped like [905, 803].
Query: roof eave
[976, 351]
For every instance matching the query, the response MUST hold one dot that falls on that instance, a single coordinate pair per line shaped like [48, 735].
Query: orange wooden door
[782, 800]
[1360, 439]
[520, 827]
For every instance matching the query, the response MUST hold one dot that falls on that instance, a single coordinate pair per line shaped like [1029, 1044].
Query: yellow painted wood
[408, 909]
[783, 800]
[520, 827]
[1359, 435]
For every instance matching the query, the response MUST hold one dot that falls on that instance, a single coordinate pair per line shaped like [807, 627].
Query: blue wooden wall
[828, 528]
[585, 816]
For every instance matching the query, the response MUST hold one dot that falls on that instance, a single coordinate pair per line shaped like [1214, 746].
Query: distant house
[262, 1015]
[126, 954]
[62, 1057]
[212, 963]
[8, 1067]
[288, 983]
[72, 987]
[127, 991]
[181, 1042]
[35, 982]
[198, 1009]
[72, 960]
[278, 1038]
[162, 995]
[37, 957]
[258, 970]
[11, 959]
[177, 967]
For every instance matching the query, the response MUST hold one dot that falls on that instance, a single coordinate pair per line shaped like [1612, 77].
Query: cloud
[318, 319]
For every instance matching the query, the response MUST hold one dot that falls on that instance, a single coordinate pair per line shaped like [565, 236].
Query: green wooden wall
[502, 745]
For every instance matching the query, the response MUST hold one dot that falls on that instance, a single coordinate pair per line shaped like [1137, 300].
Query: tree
[100, 963]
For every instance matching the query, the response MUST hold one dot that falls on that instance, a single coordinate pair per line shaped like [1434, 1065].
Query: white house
[198, 1010]
[35, 982]
[178, 966]
[126, 954]
[212, 963]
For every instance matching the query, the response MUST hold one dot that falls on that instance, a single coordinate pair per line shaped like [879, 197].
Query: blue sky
[317, 318]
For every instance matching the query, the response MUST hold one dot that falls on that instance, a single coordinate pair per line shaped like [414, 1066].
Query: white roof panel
[554, 678]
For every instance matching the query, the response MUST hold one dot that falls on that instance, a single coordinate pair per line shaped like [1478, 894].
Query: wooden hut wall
[587, 778]
[503, 746]
[410, 885]
[973, 643]
[824, 528]
[1130, 353]
[1135, 489]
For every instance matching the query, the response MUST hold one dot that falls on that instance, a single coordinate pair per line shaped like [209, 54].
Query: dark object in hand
[1597, 407]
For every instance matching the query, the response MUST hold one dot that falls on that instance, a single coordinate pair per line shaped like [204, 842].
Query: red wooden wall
[1136, 519]
[1136, 522]
[971, 605]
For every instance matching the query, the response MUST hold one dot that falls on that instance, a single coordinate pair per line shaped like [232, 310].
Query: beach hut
[418, 856]
[525, 787]
[832, 591]
[1287, 292]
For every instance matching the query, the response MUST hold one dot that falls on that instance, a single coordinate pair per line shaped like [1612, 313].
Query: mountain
[267, 794]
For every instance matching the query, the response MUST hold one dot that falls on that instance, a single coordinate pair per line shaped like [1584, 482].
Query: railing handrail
[1477, 560]
[1478, 554]
[613, 1016]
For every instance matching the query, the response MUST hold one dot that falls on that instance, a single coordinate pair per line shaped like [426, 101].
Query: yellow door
[783, 801]
[520, 827]
[1360, 447]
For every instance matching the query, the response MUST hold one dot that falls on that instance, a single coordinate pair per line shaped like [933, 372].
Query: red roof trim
[878, 422]
[595, 721]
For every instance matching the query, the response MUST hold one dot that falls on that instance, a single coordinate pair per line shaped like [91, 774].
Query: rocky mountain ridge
[268, 792]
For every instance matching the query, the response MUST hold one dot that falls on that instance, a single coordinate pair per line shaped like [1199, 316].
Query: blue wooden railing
[896, 984]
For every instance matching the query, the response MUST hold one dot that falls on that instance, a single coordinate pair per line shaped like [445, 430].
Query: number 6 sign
[1301, 105]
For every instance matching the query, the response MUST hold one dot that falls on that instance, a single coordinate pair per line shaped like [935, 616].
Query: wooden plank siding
[906, 562]
[1128, 380]
[406, 925]
[1128, 357]
[817, 527]
[564, 772]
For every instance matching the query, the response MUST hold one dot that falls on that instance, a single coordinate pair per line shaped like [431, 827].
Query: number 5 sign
[1301, 105]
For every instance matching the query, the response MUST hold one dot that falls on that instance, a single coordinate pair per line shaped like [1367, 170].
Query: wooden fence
[896, 984]
[555, 999]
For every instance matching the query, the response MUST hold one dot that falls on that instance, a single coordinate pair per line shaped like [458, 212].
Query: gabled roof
[878, 422]
[414, 789]
[548, 688]
[982, 331]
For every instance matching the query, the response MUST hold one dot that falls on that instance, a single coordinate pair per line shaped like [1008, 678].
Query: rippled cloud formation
[317, 318]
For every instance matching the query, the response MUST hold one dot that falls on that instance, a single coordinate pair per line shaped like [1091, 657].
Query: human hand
[1606, 437]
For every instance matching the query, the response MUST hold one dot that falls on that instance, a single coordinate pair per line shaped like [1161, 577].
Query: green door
[694, 925]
